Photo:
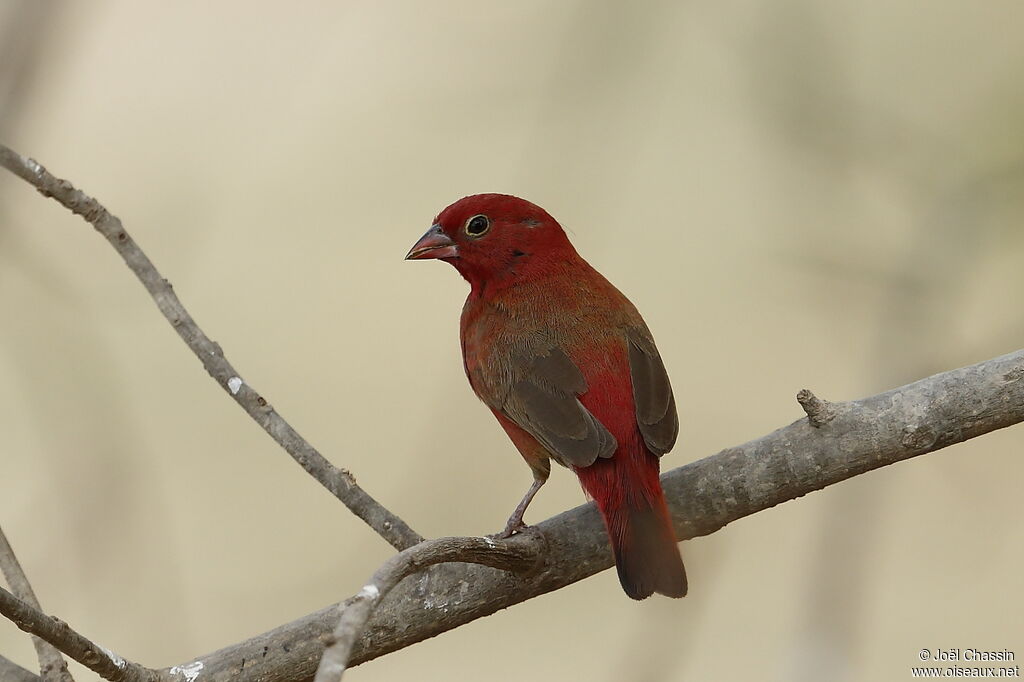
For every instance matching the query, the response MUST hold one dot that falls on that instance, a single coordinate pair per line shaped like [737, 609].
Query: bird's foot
[511, 528]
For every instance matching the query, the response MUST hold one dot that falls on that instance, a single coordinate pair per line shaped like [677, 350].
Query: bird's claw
[510, 530]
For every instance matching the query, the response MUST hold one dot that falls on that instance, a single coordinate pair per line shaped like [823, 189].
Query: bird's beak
[434, 244]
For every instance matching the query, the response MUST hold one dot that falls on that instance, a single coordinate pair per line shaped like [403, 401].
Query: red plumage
[567, 365]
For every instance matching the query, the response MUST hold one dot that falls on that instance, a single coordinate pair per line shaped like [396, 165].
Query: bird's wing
[652, 392]
[543, 400]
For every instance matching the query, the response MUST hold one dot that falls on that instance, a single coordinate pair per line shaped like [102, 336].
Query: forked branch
[519, 554]
[52, 666]
[103, 662]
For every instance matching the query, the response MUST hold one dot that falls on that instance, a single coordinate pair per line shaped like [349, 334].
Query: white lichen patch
[117, 660]
[431, 599]
[369, 592]
[435, 601]
[234, 385]
[190, 672]
[34, 166]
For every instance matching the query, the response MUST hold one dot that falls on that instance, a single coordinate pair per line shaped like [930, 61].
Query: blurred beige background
[795, 194]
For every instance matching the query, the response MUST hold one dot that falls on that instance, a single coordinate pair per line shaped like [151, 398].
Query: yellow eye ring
[477, 226]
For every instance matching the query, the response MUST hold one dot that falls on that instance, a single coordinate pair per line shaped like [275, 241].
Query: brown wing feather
[652, 393]
[543, 400]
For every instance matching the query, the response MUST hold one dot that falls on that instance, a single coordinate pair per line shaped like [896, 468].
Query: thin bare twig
[12, 672]
[52, 666]
[519, 556]
[103, 662]
[704, 496]
[339, 482]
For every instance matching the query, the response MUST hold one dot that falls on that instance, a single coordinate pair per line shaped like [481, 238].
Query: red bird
[567, 365]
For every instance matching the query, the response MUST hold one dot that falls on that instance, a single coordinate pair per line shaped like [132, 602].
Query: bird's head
[492, 238]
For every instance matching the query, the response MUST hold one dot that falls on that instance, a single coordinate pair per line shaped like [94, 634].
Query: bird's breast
[500, 337]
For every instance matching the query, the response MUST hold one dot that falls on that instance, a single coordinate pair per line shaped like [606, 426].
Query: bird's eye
[477, 226]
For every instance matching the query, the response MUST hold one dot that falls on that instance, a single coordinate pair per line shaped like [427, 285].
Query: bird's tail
[633, 506]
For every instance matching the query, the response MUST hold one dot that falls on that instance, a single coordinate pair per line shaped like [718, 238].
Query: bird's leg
[515, 522]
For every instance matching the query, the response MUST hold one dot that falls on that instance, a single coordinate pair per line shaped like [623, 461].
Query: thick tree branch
[52, 666]
[704, 496]
[340, 482]
[104, 663]
[520, 556]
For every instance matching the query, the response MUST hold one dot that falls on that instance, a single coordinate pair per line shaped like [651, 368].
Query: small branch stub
[819, 412]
